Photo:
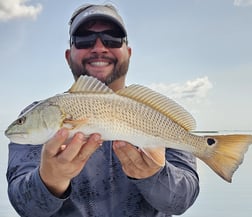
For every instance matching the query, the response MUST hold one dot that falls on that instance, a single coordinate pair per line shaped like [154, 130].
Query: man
[81, 177]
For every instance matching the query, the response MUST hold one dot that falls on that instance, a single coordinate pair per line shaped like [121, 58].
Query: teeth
[99, 63]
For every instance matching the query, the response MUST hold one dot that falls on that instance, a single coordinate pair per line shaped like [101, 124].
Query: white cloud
[12, 9]
[243, 3]
[192, 90]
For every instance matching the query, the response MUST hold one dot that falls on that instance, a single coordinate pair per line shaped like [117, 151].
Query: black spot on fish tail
[210, 141]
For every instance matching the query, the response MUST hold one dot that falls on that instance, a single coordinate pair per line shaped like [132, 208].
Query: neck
[118, 84]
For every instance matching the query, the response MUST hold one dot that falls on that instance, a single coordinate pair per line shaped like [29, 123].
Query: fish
[135, 114]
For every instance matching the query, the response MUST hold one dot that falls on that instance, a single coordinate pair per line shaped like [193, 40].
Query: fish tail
[226, 153]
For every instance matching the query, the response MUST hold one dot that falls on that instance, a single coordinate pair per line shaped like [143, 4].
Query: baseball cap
[89, 12]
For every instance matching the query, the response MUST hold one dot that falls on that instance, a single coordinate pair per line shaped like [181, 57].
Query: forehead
[98, 25]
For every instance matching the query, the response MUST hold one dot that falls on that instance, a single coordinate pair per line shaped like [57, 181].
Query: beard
[117, 72]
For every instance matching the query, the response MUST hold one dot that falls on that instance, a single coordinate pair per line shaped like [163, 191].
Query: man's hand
[62, 160]
[135, 163]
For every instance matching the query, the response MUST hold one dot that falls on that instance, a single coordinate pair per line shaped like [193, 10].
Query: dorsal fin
[161, 103]
[88, 84]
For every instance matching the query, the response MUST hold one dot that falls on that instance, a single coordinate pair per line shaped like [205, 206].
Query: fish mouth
[19, 138]
[16, 134]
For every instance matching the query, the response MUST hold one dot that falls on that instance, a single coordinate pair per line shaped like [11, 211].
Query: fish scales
[126, 117]
[134, 114]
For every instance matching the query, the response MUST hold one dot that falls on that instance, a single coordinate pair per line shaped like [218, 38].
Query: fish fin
[161, 103]
[155, 154]
[88, 84]
[226, 153]
[72, 124]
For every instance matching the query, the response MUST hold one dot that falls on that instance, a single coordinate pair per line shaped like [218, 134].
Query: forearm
[173, 189]
[27, 192]
[30, 197]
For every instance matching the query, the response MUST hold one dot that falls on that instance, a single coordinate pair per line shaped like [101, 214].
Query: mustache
[86, 60]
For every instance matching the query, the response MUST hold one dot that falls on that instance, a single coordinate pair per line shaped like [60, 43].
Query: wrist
[58, 187]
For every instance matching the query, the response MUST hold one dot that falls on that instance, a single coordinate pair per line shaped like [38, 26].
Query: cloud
[243, 3]
[12, 9]
[192, 90]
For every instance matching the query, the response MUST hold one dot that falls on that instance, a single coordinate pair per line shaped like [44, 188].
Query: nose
[99, 47]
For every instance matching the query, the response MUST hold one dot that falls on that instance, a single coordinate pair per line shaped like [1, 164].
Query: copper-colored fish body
[134, 114]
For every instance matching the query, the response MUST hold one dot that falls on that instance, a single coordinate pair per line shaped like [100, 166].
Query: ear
[129, 51]
[67, 55]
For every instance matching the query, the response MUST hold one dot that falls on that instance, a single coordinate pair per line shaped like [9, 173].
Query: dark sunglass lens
[87, 39]
[111, 41]
[112, 44]
[84, 42]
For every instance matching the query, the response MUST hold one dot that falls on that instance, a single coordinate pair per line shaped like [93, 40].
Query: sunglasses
[87, 39]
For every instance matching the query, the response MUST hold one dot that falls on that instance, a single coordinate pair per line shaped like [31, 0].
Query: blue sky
[198, 52]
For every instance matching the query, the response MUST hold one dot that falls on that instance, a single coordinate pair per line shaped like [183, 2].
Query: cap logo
[96, 11]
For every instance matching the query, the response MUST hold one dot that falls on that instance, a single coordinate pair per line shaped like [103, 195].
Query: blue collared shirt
[102, 188]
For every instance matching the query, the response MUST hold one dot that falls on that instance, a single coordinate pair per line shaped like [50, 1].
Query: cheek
[77, 55]
[121, 56]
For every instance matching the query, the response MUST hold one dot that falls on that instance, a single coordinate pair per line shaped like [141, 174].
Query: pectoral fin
[74, 124]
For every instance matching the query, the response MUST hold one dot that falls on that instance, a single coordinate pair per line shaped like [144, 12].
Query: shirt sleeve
[175, 187]
[27, 192]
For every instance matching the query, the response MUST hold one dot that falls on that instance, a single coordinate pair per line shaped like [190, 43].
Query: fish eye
[21, 120]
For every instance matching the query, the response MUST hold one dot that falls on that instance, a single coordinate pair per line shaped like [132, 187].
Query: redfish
[135, 114]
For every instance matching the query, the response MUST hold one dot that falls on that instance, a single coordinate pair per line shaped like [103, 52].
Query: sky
[197, 52]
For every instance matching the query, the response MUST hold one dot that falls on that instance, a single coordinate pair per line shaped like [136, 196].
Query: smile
[99, 63]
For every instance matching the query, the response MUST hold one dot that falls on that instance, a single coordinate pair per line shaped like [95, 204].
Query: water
[217, 197]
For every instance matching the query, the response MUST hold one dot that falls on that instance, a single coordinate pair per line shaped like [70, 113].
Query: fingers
[52, 147]
[72, 149]
[93, 142]
[79, 147]
[134, 162]
[126, 158]
[128, 154]
[62, 158]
